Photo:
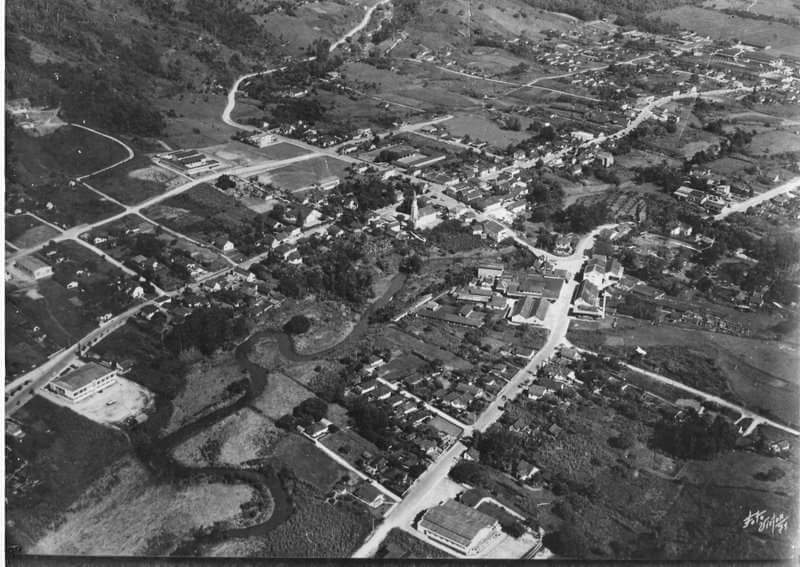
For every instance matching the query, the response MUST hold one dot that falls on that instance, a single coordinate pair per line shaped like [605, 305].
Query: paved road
[742, 206]
[419, 497]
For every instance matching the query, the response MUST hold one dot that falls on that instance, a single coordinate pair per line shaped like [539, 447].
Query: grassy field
[762, 373]
[774, 142]
[281, 395]
[773, 8]
[24, 231]
[134, 181]
[197, 121]
[66, 454]
[128, 513]
[331, 322]
[282, 150]
[307, 463]
[68, 151]
[304, 174]
[240, 437]
[71, 207]
[401, 544]
[721, 26]
[396, 338]
[481, 128]
[205, 386]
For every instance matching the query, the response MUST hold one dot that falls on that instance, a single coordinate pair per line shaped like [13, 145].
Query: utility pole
[469, 22]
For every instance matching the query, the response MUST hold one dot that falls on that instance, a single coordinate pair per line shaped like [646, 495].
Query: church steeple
[414, 212]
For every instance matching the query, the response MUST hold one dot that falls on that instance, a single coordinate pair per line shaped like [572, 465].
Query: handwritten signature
[764, 522]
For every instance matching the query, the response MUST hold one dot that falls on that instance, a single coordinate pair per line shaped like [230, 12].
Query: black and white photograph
[401, 281]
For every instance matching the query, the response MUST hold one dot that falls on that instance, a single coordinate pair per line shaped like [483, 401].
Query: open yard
[127, 512]
[134, 181]
[305, 174]
[111, 406]
[24, 231]
[397, 339]
[240, 437]
[481, 128]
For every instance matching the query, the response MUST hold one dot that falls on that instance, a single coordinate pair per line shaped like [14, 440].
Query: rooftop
[82, 376]
[456, 521]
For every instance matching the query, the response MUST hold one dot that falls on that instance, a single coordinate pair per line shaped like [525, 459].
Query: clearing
[135, 181]
[308, 463]
[127, 513]
[24, 231]
[305, 174]
[240, 437]
[280, 396]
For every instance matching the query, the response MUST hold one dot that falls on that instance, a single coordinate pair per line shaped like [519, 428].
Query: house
[587, 300]
[224, 244]
[529, 311]
[489, 272]
[369, 495]
[34, 267]
[83, 381]
[495, 231]
[563, 245]
[605, 159]
[536, 391]
[459, 527]
[316, 430]
[525, 470]
[679, 229]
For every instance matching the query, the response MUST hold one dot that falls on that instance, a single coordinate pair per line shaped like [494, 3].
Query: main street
[742, 206]
[419, 496]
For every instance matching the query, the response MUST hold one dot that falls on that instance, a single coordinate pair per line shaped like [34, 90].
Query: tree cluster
[694, 437]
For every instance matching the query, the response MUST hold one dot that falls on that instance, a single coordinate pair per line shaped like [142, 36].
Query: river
[158, 454]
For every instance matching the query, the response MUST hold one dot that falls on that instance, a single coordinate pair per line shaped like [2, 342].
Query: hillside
[116, 63]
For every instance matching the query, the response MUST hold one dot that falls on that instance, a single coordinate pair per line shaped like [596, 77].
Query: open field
[128, 513]
[70, 206]
[400, 544]
[762, 373]
[774, 142]
[134, 181]
[69, 151]
[396, 338]
[111, 406]
[280, 396]
[307, 463]
[66, 453]
[197, 120]
[240, 437]
[484, 129]
[206, 385]
[24, 231]
[282, 150]
[305, 174]
[773, 8]
[719, 26]
[331, 322]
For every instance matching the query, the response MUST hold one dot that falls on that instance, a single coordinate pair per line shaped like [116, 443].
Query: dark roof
[456, 522]
[82, 376]
[367, 493]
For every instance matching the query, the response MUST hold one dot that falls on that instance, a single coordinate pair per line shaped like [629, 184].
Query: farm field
[24, 231]
[206, 385]
[70, 207]
[134, 181]
[305, 174]
[240, 437]
[719, 26]
[66, 453]
[127, 512]
[773, 8]
[774, 142]
[762, 376]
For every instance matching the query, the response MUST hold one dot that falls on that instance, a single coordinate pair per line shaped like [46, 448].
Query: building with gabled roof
[459, 527]
[530, 311]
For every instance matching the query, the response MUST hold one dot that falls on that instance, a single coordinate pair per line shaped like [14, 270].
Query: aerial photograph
[402, 280]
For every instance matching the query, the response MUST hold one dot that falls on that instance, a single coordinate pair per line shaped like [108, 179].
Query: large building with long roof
[460, 527]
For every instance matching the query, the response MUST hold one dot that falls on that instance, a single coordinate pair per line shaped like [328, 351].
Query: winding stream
[158, 455]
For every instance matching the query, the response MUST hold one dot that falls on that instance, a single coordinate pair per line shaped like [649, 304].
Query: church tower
[414, 212]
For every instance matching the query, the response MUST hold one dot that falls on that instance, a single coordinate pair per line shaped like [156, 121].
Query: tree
[411, 264]
[297, 325]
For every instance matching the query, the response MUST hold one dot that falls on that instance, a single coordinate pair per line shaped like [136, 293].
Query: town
[449, 280]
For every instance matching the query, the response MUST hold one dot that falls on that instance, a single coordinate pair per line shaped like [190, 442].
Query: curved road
[231, 103]
[120, 142]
